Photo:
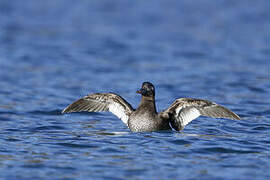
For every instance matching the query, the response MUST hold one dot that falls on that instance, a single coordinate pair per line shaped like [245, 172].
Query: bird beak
[139, 91]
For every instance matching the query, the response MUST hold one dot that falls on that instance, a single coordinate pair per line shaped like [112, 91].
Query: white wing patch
[184, 110]
[99, 102]
[187, 115]
[119, 111]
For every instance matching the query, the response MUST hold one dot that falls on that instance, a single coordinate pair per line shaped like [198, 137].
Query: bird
[146, 118]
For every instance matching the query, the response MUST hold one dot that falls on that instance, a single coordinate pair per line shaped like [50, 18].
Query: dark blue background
[56, 51]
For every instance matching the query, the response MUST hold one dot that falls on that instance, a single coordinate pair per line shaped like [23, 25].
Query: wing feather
[99, 102]
[184, 110]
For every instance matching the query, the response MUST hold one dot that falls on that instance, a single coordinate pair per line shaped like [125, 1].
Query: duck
[146, 118]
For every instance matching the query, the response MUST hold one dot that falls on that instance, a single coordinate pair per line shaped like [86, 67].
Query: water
[54, 52]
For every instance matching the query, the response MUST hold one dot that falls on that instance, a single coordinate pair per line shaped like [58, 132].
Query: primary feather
[102, 102]
[184, 110]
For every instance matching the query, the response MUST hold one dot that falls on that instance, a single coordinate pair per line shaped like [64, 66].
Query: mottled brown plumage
[145, 117]
[102, 102]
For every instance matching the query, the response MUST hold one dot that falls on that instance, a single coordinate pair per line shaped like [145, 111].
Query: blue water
[54, 52]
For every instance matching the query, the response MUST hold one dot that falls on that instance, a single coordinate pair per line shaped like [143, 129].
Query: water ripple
[73, 145]
[223, 150]
[53, 52]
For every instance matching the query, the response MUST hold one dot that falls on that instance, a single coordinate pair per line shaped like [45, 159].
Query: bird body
[145, 118]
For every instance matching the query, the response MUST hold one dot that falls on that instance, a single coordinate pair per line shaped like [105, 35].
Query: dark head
[147, 90]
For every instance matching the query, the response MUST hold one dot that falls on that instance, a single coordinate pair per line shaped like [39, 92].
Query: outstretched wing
[184, 110]
[102, 102]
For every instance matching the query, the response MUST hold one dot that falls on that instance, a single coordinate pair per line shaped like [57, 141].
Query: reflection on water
[112, 133]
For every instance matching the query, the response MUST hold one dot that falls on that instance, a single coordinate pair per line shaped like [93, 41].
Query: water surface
[54, 52]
